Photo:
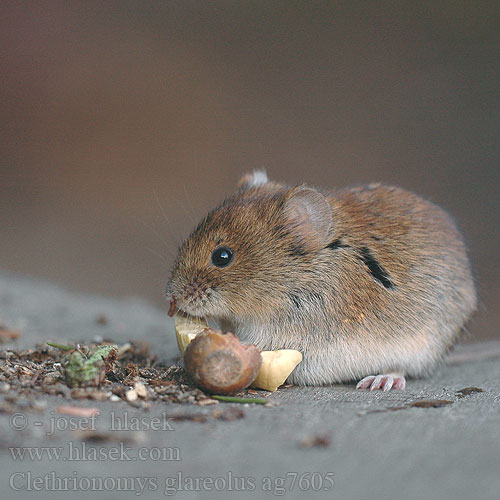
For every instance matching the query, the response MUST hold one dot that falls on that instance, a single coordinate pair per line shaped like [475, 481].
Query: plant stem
[60, 346]
[231, 399]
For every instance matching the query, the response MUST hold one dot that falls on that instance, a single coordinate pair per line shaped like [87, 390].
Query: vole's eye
[222, 256]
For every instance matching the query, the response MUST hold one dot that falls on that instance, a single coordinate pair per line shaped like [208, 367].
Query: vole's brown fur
[362, 281]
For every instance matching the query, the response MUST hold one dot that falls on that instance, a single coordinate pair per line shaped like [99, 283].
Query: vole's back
[402, 285]
[415, 242]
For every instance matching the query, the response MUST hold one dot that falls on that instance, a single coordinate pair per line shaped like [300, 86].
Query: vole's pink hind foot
[384, 382]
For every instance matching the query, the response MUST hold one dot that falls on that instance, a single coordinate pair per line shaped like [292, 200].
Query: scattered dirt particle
[467, 391]
[104, 437]
[132, 370]
[90, 393]
[430, 403]
[7, 335]
[208, 401]
[423, 403]
[119, 390]
[109, 360]
[57, 389]
[138, 353]
[316, 440]
[102, 319]
[77, 411]
[141, 390]
[131, 395]
[228, 414]
[189, 417]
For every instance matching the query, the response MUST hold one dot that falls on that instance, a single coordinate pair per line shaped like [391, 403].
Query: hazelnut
[220, 364]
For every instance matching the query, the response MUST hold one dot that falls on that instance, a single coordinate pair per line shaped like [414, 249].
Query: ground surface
[318, 442]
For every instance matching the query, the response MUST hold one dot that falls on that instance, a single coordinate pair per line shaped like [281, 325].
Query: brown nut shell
[219, 364]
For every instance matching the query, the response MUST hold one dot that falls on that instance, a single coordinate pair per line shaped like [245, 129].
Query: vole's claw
[399, 383]
[385, 382]
[365, 382]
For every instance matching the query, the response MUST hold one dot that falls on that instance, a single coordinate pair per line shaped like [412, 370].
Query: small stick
[230, 399]
[60, 346]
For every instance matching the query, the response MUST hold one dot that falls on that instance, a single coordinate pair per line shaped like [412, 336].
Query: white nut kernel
[276, 367]
[186, 329]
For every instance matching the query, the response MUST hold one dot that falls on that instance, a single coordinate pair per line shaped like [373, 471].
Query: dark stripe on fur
[377, 271]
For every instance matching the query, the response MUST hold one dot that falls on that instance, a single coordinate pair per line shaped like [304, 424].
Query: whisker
[168, 247]
[164, 260]
[179, 202]
[165, 216]
[193, 212]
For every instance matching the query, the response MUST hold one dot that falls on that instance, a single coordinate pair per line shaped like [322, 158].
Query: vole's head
[246, 255]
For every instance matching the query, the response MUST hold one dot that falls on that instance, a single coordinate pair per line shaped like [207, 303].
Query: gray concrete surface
[450, 452]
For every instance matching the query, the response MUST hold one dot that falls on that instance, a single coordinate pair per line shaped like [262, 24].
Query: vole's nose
[173, 307]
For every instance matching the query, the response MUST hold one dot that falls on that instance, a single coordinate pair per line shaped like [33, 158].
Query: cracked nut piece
[220, 364]
[186, 329]
[276, 367]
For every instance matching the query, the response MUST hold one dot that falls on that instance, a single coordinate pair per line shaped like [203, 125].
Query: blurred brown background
[123, 122]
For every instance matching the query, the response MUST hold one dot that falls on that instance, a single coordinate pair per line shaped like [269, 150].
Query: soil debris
[316, 441]
[467, 391]
[430, 403]
[8, 335]
[132, 376]
[101, 319]
[420, 403]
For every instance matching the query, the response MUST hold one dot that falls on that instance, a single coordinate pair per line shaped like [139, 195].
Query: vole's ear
[255, 179]
[308, 212]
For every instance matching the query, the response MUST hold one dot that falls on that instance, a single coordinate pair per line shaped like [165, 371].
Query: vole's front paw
[384, 382]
